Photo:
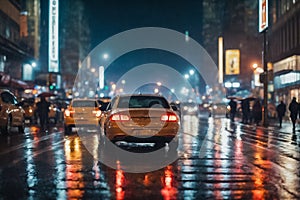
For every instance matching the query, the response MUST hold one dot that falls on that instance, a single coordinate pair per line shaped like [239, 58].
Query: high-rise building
[74, 39]
[14, 51]
[32, 10]
[284, 48]
[236, 22]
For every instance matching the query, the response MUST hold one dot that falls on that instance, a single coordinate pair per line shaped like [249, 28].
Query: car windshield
[84, 104]
[142, 102]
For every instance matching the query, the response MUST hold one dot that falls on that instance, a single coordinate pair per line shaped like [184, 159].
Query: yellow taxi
[141, 118]
[81, 112]
[11, 112]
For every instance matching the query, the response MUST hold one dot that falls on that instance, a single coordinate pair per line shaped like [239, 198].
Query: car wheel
[6, 129]
[22, 127]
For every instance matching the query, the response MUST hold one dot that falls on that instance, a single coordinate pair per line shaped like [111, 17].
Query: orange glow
[146, 180]
[260, 174]
[168, 191]
[120, 179]
[74, 177]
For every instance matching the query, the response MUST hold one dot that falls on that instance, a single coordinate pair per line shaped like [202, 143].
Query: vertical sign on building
[232, 57]
[101, 77]
[53, 55]
[220, 44]
[263, 15]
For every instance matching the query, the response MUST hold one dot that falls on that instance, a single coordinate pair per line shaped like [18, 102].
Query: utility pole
[263, 23]
[266, 81]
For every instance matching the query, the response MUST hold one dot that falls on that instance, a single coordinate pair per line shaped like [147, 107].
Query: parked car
[82, 112]
[140, 118]
[190, 108]
[11, 112]
[29, 107]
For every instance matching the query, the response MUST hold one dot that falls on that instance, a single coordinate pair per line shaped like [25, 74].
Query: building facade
[14, 51]
[285, 48]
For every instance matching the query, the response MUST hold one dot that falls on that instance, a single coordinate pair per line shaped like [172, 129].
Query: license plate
[27, 121]
[144, 132]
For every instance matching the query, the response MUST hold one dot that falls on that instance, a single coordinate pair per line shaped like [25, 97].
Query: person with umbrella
[245, 105]
[42, 111]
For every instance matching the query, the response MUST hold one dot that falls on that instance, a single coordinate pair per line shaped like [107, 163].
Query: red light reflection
[120, 180]
[168, 191]
[74, 177]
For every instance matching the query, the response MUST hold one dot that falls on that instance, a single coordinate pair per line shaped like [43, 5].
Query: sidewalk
[273, 124]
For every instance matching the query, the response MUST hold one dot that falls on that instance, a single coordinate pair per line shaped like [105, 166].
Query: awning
[7, 81]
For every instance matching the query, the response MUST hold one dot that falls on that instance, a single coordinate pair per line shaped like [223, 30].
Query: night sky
[108, 18]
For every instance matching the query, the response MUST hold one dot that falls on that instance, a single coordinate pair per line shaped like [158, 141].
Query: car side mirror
[174, 108]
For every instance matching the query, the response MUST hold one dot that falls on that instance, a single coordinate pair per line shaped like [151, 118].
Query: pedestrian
[294, 108]
[42, 111]
[233, 106]
[257, 111]
[281, 109]
[245, 105]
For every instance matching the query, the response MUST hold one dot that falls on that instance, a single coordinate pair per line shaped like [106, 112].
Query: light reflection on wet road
[219, 160]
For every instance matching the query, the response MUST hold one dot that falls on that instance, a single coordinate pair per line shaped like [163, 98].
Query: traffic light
[52, 87]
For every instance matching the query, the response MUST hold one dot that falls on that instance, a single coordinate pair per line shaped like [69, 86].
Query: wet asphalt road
[218, 160]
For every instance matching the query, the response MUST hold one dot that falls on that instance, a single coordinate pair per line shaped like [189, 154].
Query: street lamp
[256, 73]
[105, 56]
[192, 72]
[33, 64]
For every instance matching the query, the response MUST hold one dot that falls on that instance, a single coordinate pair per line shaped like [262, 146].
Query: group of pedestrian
[247, 115]
[256, 113]
[294, 108]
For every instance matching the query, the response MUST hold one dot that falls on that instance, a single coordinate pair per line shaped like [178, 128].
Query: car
[190, 108]
[140, 118]
[29, 107]
[219, 110]
[54, 114]
[81, 112]
[176, 106]
[11, 112]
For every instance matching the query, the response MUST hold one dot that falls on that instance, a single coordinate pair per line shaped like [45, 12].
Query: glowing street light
[158, 83]
[192, 72]
[186, 76]
[105, 56]
[33, 64]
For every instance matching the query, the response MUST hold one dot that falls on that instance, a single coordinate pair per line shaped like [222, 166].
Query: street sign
[263, 15]
[232, 61]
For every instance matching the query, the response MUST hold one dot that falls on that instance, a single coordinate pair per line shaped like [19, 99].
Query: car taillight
[69, 112]
[97, 113]
[169, 117]
[119, 117]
